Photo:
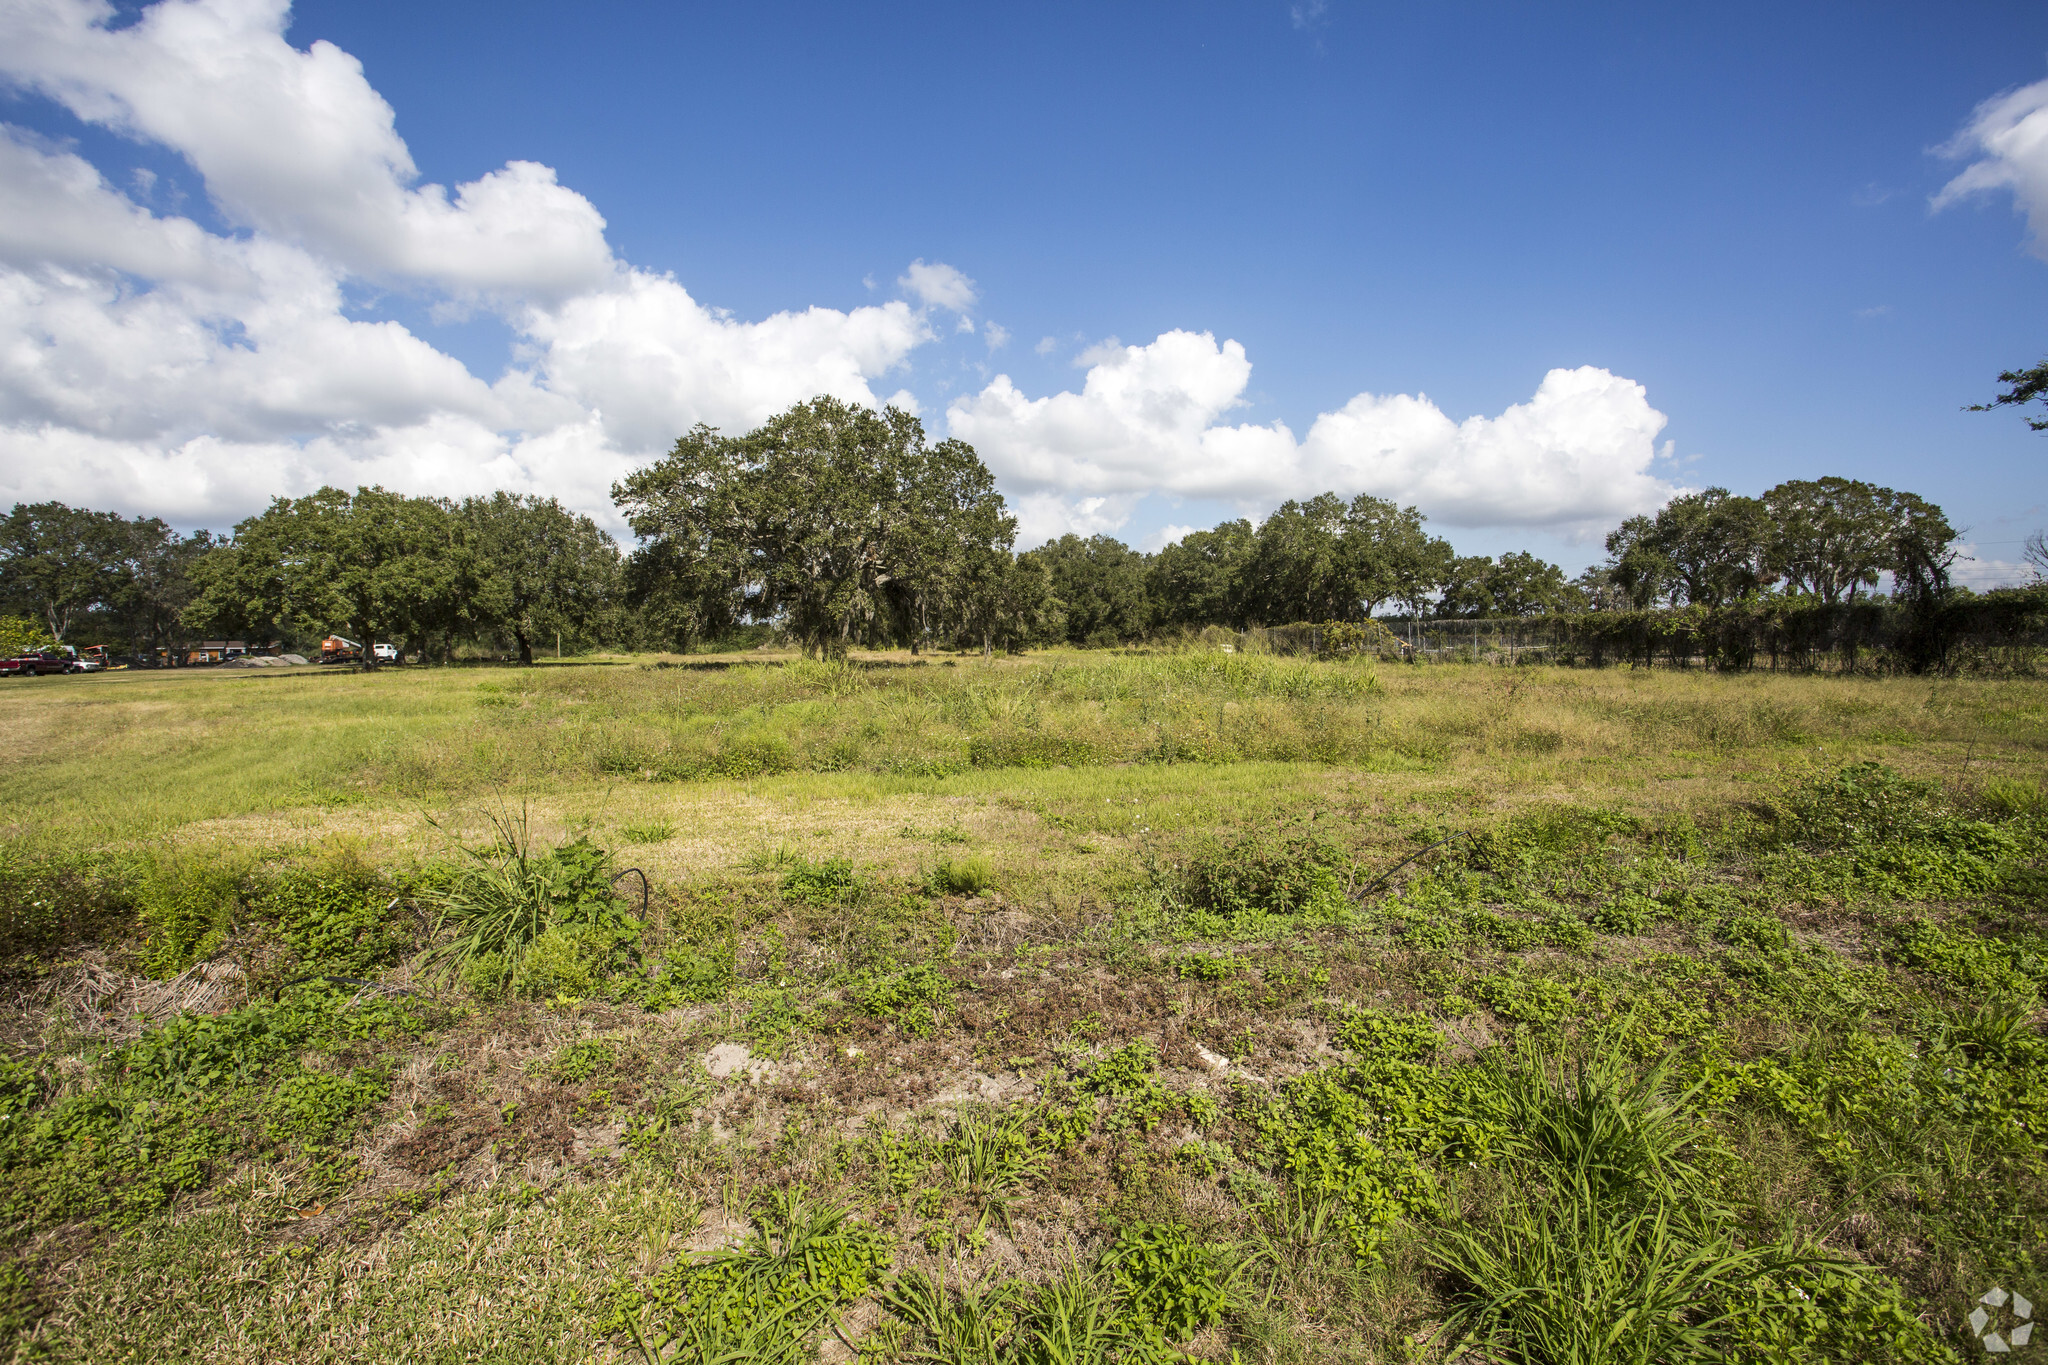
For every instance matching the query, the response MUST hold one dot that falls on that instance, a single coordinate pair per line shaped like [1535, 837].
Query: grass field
[1057, 1008]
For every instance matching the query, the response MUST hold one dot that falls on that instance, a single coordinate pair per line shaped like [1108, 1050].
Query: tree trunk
[525, 645]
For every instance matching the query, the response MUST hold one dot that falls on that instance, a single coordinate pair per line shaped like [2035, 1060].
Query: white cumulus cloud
[938, 285]
[1575, 456]
[2008, 136]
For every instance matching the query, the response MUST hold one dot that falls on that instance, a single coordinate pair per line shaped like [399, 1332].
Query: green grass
[1060, 1009]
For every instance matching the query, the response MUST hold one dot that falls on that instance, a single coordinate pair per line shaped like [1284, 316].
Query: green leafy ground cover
[1753, 1074]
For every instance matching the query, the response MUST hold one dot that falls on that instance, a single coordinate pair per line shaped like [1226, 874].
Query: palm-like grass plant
[1611, 1251]
[506, 895]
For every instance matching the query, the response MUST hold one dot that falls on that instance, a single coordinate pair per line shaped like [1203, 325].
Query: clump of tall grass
[1154, 1286]
[1611, 1250]
[508, 902]
[764, 1301]
[961, 877]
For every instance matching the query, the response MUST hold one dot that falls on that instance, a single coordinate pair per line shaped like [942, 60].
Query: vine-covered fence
[2001, 632]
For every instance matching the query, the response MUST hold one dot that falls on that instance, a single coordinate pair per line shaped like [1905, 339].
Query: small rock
[1213, 1060]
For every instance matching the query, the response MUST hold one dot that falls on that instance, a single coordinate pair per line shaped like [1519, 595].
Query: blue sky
[1729, 208]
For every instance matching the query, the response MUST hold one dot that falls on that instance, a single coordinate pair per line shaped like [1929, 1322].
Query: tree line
[504, 571]
[842, 526]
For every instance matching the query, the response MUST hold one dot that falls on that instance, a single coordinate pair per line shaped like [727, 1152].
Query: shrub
[334, 919]
[1239, 887]
[566, 960]
[961, 877]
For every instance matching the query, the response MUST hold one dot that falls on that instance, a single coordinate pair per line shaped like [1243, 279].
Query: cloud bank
[150, 362]
[1576, 456]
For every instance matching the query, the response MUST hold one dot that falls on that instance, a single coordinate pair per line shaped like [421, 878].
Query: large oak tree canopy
[838, 520]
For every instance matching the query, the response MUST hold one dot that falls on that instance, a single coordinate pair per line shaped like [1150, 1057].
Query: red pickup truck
[36, 663]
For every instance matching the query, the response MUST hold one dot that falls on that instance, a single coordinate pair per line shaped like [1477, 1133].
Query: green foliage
[507, 904]
[22, 634]
[334, 918]
[1868, 804]
[1128, 1077]
[1543, 838]
[776, 1016]
[1201, 1157]
[155, 1119]
[376, 564]
[763, 1301]
[829, 882]
[953, 1324]
[1866, 831]
[1822, 1312]
[317, 1109]
[961, 877]
[1627, 914]
[1100, 584]
[1210, 966]
[1595, 1121]
[1971, 962]
[1169, 1278]
[988, 1157]
[1255, 883]
[1609, 1247]
[687, 973]
[1078, 1317]
[50, 901]
[582, 1060]
[569, 961]
[186, 903]
[22, 1085]
[1541, 1005]
[913, 999]
[1361, 1134]
[839, 521]
[534, 571]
